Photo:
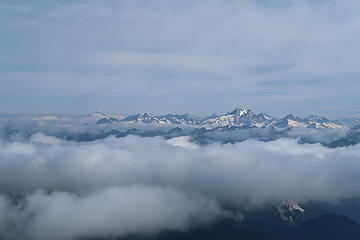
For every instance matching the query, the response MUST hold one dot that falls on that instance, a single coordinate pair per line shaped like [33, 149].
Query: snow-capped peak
[239, 112]
[290, 210]
[239, 117]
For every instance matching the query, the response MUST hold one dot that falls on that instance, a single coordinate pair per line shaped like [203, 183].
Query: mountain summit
[240, 117]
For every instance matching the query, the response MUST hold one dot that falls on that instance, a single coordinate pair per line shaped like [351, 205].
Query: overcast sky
[126, 56]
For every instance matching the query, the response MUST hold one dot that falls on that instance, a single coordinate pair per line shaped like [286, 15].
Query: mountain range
[234, 126]
[231, 127]
[238, 117]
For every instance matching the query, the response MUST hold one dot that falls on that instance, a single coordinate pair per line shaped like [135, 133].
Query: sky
[168, 56]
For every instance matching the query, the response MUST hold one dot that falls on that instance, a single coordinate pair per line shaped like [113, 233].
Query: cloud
[41, 138]
[175, 62]
[304, 135]
[114, 211]
[250, 171]
[5, 213]
[312, 135]
[183, 141]
[115, 187]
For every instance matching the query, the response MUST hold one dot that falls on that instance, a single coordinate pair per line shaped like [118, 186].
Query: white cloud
[173, 62]
[115, 211]
[41, 138]
[251, 171]
[145, 185]
[184, 142]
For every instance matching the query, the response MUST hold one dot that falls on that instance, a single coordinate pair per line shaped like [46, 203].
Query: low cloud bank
[313, 135]
[115, 211]
[145, 185]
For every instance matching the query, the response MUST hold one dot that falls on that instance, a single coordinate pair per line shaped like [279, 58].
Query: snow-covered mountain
[289, 121]
[289, 211]
[320, 122]
[312, 121]
[238, 117]
[105, 117]
[179, 119]
[145, 118]
[352, 137]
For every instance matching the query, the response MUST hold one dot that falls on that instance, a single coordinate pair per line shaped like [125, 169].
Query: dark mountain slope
[325, 227]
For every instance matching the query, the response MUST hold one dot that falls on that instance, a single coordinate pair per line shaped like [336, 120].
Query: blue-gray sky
[126, 56]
